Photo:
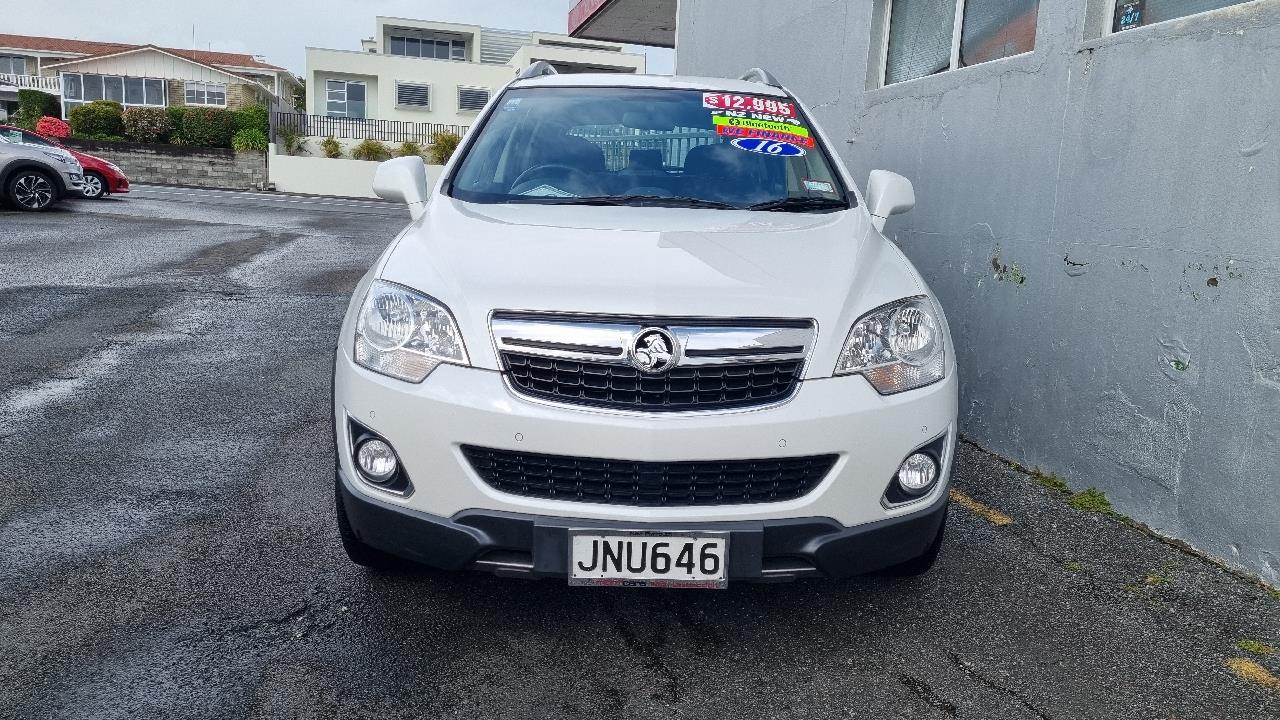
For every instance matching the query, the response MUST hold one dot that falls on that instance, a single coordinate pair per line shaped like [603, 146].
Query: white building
[433, 72]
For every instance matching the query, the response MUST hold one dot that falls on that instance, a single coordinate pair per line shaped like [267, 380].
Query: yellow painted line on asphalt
[1253, 672]
[986, 512]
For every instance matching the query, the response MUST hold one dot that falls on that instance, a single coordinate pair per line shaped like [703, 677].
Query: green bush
[370, 149]
[98, 118]
[33, 105]
[331, 147]
[253, 117]
[249, 140]
[290, 138]
[146, 124]
[205, 127]
[408, 148]
[442, 147]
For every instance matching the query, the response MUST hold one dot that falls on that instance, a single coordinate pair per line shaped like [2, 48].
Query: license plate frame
[695, 539]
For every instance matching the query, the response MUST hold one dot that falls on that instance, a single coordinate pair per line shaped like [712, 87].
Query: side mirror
[403, 180]
[888, 193]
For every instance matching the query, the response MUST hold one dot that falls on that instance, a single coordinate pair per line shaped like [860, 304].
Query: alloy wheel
[33, 192]
[93, 186]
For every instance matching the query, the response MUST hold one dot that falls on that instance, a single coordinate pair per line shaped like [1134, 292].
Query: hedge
[98, 119]
[33, 105]
[146, 124]
[206, 127]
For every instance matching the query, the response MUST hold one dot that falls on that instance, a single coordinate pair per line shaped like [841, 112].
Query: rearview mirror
[888, 193]
[403, 180]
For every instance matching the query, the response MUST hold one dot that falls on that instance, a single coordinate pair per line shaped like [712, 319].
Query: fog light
[917, 473]
[377, 460]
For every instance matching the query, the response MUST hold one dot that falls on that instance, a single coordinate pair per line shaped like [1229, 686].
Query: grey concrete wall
[181, 165]
[1101, 221]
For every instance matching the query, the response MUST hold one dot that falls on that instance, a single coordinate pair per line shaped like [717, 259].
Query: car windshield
[648, 146]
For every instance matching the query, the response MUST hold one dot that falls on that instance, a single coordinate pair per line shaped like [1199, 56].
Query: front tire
[922, 563]
[31, 191]
[358, 551]
[95, 186]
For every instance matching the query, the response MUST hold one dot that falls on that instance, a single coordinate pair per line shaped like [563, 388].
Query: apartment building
[79, 71]
[435, 72]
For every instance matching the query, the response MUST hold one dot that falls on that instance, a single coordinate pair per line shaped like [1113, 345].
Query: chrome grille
[723, 365]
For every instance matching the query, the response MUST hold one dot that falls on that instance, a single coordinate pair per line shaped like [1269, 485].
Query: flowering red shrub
[52, 127]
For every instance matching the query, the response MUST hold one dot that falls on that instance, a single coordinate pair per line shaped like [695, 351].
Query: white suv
[644, 331]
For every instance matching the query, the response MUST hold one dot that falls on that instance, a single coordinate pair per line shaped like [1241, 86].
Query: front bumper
[530, 546]
[428, 423]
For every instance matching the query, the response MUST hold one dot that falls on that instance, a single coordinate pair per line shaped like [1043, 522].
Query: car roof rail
[761, 76]
[536, 69]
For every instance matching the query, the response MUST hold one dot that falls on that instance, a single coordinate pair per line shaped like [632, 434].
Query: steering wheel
[576, 176]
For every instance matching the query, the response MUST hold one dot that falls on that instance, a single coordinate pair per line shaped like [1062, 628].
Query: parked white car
[644, 331]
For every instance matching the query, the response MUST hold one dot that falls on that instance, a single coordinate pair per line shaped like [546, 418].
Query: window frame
[76, 102]
[346, 98]
[431, 96]
[957, 33]
[204, 87]
[488, 97]
[455, 44]
[1109, 19]
[9, 59]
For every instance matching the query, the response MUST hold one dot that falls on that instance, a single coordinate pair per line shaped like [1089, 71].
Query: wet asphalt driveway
[167, 542]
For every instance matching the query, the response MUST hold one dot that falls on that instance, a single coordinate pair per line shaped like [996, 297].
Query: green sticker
[781, 127]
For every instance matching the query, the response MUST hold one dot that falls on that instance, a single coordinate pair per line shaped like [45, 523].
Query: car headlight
[66, 159]
[896, 347]
[405, 334]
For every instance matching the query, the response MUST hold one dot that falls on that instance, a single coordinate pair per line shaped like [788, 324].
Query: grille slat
[648, 484]
[708, 387]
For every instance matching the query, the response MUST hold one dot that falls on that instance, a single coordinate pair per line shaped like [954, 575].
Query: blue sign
[768, 147]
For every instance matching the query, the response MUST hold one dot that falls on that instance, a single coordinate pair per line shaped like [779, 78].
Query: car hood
[648, 261]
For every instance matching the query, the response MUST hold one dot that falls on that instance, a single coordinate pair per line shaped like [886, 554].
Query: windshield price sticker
[781, 127]
[772, 106]
[768, 147]
[746, 132]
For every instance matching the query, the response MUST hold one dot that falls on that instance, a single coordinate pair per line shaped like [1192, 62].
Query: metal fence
[617, 142]
[395, 131]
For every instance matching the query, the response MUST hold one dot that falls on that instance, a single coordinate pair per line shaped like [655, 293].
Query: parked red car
[101, 178]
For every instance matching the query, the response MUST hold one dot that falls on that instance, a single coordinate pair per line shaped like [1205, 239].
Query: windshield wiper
[800, 204]
[658, 200]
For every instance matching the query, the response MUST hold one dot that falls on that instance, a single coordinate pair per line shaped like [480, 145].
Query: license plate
[648, 559]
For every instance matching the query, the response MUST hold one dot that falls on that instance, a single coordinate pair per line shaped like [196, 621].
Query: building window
[429, 48]
[202, 93]
[344, 98]
[931, 36]
[13, 66]
[413, 95]
[472, 99]
[78, 88]
[1129, 14]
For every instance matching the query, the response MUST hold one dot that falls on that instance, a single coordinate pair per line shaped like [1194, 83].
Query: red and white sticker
[751, 103]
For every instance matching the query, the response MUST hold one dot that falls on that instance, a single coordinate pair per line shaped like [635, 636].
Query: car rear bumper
[532, 546]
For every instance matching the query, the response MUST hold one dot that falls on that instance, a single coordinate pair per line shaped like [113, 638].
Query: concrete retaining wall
[323, 176]
[181, 165]
[1099, 219]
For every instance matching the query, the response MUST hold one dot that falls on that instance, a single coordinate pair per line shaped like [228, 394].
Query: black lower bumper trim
[515, 544]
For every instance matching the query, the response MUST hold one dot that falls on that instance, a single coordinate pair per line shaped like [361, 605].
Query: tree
[300, 95]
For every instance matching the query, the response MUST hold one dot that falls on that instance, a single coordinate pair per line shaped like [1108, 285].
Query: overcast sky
[278, 29]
